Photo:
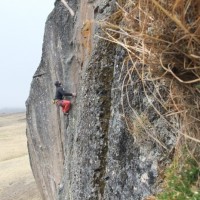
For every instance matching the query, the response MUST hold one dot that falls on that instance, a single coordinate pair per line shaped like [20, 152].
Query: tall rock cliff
[97, 155]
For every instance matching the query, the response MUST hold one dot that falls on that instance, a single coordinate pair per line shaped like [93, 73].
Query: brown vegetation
[162, 41]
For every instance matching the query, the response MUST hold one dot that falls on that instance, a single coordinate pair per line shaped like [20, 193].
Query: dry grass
[162, 41]
[12, 136]
[16, 179]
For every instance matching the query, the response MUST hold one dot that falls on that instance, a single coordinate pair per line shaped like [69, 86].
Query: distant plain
[16, 179]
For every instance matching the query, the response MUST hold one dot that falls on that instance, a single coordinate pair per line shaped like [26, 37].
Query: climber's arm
[64, 93]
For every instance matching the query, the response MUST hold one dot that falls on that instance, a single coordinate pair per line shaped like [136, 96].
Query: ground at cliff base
[16, 179]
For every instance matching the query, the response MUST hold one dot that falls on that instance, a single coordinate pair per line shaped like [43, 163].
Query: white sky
[22, 25]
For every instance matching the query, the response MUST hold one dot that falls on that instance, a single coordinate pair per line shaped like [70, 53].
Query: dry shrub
[162, 40]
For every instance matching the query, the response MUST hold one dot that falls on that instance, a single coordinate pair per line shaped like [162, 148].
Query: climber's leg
[59, 103]
[65, 106]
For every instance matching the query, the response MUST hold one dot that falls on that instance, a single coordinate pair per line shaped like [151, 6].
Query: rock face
[96, 156]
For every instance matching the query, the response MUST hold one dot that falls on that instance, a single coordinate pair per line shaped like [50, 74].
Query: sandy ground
[16, 179]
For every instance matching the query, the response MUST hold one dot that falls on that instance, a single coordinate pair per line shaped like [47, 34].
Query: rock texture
[97, 156]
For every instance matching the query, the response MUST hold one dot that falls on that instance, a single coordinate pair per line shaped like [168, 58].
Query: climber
[59, 98]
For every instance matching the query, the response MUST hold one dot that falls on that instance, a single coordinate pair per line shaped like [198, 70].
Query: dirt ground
[16, 179]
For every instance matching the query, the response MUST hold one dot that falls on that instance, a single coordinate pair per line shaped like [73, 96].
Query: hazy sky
[22, 25]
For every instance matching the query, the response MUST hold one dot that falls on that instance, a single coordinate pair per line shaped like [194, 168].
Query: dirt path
[16, 179]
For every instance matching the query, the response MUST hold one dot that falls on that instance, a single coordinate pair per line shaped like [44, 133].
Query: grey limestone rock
[96, 157]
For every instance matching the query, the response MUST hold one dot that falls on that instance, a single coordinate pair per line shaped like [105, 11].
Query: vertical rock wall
[96, 157]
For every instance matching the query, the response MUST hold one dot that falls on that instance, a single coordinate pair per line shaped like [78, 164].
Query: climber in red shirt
[59, 98]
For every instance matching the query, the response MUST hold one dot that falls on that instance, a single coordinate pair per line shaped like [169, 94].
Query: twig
[66, 5]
